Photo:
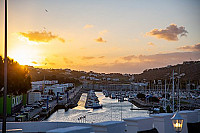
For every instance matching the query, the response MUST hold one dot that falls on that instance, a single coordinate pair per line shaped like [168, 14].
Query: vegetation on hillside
[191, 70]
[39, 74]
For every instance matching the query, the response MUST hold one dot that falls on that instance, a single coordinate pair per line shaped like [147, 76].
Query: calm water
[111, 111]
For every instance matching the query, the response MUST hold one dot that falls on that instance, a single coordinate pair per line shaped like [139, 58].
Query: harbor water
[112, 110]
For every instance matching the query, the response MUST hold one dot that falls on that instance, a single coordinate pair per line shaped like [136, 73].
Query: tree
[1, 74]
[19, 80]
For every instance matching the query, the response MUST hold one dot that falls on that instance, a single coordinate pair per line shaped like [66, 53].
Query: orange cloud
[87, 57]
[151, 44]
[100, 39]
[67, 61]
[34, 62]
[195, 47]
[40, 36]
[170, 33]
[101, 57]
[129, 58]
[145, 62]
[88, 26]
[103, 32]
[52, 64]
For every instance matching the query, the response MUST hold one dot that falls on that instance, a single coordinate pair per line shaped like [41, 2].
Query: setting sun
[25, 56]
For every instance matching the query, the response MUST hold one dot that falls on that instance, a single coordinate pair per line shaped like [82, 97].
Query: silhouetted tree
[19, 81]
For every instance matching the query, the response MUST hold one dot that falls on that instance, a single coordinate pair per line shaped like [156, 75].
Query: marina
[111, 110]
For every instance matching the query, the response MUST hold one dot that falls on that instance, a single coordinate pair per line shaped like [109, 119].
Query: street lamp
[5, 74]
[177, 122]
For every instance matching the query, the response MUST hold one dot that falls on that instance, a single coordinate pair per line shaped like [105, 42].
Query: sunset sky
[126, 36]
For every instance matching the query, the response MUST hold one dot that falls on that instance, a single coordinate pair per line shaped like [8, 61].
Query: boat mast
[165, 93]
[173, 92]
[179, 90]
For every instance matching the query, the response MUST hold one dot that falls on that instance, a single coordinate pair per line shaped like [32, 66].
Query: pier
[141, 104]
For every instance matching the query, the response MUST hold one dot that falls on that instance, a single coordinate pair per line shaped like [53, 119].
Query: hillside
[190, 68]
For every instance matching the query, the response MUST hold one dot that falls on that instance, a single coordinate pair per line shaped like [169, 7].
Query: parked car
[60, 97]
[50, 98]
[36, 105]
[44, 108]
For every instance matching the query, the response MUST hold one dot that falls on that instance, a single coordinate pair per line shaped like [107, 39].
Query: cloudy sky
[124, 36]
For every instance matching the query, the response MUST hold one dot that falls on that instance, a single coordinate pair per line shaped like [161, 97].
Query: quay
[141, 104]
[145, 105]
[71, 102]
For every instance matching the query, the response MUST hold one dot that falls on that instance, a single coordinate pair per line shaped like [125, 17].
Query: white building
[33, 97]
[82, 77]
[39, 85]
[61, 88]
[115, 79]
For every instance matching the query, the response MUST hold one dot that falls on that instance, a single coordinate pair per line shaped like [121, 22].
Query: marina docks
[41, 113]
[92, 100]
[64, 103]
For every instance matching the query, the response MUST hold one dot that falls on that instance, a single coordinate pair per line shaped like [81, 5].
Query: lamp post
[177, 122]
[5, 74]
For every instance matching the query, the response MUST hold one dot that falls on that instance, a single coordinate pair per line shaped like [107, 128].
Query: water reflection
[112, 110]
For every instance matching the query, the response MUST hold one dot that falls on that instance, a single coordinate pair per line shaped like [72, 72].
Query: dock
[61, 104]
[141, 104]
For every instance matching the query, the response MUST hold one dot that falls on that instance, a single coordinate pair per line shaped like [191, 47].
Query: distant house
[108, 79]
[115, 80]
[82, 77]
[92, 78]
[92, 74]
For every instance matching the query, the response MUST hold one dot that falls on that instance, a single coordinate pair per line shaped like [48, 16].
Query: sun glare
[25, 56]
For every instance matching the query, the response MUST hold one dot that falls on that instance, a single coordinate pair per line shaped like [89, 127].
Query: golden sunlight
[25, 39]
[25, 56]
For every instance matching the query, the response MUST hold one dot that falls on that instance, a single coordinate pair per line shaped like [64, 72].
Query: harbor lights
[177, 122]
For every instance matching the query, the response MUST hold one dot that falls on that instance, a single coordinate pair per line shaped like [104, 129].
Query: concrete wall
[136, 124]
[198, 114]
[41, 126]
[74, 129]
[109, 127]
[189, 117]
[163, 123]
